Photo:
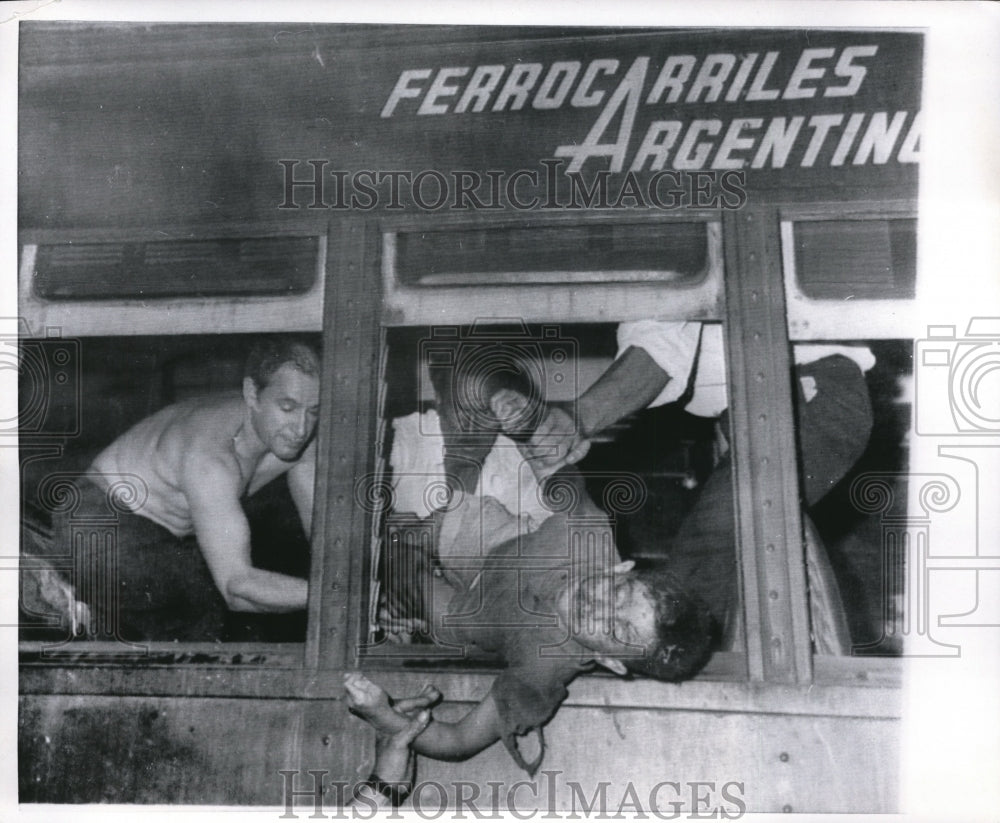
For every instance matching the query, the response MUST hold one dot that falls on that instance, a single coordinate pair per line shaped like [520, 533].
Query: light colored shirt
[673, 344]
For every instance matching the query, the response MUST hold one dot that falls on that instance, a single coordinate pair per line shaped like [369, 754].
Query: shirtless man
[175, 481]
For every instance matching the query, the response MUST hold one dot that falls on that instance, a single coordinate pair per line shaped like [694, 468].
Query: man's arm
[301, 484]
[631, 383]
[212, 488]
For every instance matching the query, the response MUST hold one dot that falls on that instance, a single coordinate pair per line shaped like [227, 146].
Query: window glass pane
[466, 522]
[856, 259]
[676, 252]
[176, 268]
[110, 499]
[853, 414]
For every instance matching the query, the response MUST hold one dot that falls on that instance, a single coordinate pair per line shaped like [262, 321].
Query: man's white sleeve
[671, 344]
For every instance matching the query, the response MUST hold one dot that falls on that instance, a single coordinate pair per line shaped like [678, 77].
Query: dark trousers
[832, 429]
[140, 580]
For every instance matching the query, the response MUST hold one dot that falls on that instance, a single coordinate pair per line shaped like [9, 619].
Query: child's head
[684, 630]
[650, 626]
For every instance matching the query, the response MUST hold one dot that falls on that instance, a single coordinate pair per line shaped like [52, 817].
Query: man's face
[617, 614]
[284, 412]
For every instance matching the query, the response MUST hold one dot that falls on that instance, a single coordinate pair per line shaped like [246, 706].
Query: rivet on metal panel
[787, 809]
[772, 594]
[762, 417]
[783, 757]
[775, 643]
[340, 498]
[759, 377]
[769, 548]
[767, 503]
[338, 541]
[326, 740]
[756, 335]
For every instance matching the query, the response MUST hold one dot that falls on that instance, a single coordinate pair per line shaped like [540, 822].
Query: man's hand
[480, 728]
[394, 760]
[45, 592]
[397, 725]
[556, 442]
[387, 716]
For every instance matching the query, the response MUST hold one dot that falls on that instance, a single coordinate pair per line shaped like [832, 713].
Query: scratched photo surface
[602, 389]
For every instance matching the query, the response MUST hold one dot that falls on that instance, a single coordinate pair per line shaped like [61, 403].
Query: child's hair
[686, 630]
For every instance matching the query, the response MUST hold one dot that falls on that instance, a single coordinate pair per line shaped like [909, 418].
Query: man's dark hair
[684, 626]
[268, 354]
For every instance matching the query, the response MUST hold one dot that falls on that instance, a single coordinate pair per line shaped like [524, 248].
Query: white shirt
[672, 345]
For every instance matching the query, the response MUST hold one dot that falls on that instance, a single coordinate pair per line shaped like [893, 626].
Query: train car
[413, 198]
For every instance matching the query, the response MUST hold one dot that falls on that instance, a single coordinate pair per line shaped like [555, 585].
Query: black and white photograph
[531, 412]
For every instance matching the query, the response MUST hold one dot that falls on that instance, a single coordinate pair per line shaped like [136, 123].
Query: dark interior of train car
[671, 453]
[669, 450]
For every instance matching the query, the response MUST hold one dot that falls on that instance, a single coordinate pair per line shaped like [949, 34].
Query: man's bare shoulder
[208, 422]
[185, 437]
[199, 434]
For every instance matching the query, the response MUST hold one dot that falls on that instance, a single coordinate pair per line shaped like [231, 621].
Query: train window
[571, 266]
[850, 278]
[849, 271]
[176, 268]
[856, 259]
[600, 252]
[139, 592]
[454, 489]
[853, 412]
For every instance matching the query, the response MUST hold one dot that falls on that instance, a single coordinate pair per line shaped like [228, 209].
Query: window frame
[170, 315]
[786, 620]
[98, 667]
[811, 318]
[757, 335]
